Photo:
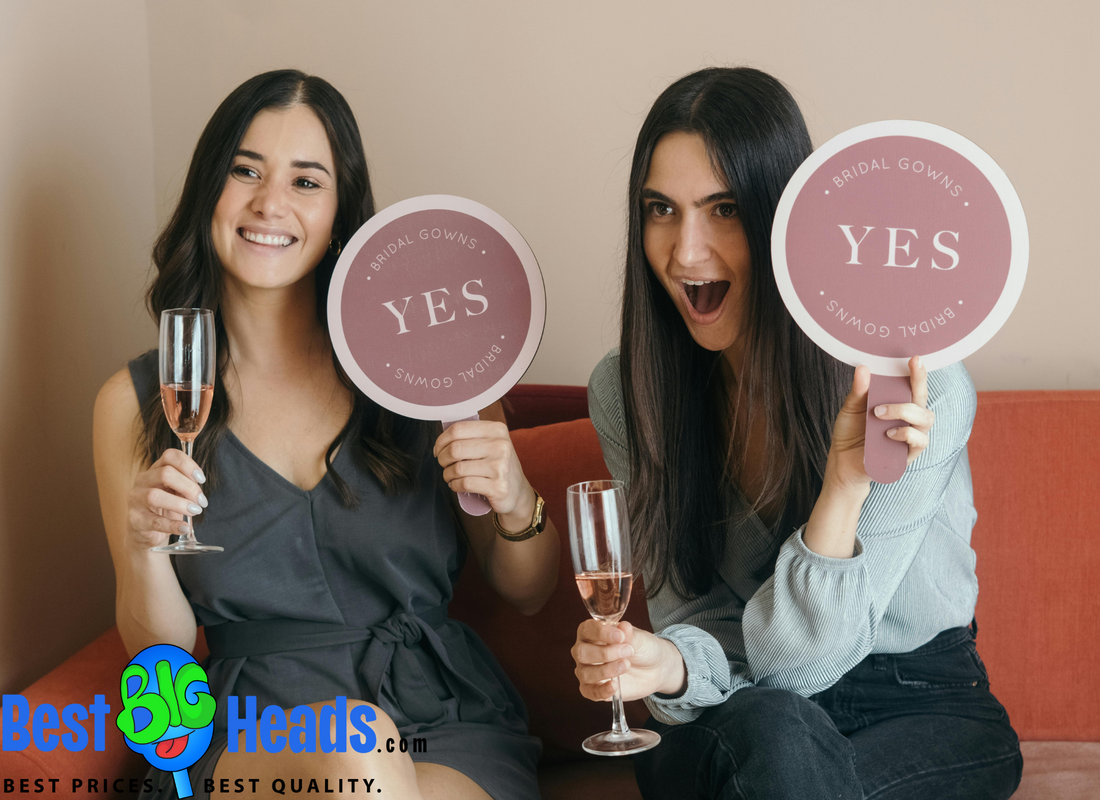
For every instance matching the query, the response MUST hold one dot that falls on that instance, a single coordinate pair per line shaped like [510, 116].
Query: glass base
[182, 549]
[610, 743]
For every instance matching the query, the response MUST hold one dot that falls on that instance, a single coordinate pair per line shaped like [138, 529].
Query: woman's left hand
[477, 456]
[849, 431]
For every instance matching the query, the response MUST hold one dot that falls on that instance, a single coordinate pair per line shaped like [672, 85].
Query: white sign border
[1017, 225]
[432, 202]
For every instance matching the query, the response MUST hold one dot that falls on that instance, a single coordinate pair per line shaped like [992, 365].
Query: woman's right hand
[643, 662]
[160, 498]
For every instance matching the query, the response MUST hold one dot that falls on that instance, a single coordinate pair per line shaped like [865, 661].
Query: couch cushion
[534, 651]
[528, 405]
[1060, 771]
[594, 777]
[1035, 465]
[95, 669]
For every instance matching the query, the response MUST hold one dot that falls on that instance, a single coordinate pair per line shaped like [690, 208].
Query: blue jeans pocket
[952, 667]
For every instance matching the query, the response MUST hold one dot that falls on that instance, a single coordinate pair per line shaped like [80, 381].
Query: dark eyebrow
[717, 197]
[653, 194]
[296, 164]
[310, 165]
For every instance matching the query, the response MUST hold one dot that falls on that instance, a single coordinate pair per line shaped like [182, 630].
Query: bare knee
[366, 734]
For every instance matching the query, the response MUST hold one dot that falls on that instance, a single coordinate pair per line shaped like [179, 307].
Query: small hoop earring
[339, 246]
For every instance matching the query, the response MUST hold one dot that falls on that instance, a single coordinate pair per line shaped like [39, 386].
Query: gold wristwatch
[537, 526]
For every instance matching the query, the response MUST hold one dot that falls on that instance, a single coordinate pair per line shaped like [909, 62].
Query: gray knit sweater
[815, 618]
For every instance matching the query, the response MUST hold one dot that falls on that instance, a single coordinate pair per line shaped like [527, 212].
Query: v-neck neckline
[740, 504]
[278, 477]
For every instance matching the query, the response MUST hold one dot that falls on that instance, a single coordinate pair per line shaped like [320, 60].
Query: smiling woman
[274, 218]
[341, 530]
[281, 156]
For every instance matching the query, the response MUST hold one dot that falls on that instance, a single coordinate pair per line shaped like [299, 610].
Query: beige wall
[76, 223]
[531, 108]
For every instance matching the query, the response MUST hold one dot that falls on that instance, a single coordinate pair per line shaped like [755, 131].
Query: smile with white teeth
[259, 238]
[695, 283]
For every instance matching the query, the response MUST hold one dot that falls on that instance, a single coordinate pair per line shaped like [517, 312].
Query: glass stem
[187, 539]
[618, 714]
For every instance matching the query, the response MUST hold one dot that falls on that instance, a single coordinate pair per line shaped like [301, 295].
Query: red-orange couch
[1036, 470]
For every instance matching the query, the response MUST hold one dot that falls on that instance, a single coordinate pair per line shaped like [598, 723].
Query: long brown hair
[189, 273]
[682, 473]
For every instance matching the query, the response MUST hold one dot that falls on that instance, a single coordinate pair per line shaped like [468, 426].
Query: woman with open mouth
[339, 520]
[814, 630]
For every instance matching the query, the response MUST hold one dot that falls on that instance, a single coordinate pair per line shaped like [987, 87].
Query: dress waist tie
[390, 668]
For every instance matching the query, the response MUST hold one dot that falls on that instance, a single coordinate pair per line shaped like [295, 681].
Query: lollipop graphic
[168, 711]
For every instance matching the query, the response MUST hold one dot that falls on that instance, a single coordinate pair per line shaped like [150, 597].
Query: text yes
[894, 246]
[439, 305]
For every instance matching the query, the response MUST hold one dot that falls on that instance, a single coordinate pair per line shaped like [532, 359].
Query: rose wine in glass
[187, 358]
[599, 538]
[605, 594]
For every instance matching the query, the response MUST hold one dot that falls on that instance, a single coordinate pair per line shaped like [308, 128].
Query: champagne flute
[599, 537]
[187, 358]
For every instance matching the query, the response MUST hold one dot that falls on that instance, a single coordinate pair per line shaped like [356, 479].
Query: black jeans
[920, 725]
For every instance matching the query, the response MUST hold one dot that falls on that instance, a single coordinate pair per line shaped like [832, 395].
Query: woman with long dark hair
[815, 632]
[342, 538]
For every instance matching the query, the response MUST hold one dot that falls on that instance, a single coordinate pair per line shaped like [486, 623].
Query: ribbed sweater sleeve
[816, 617]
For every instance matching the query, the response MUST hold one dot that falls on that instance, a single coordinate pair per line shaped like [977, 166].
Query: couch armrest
[96, 669]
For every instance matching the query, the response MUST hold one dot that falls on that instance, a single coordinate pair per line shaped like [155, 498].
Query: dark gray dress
[354, 603]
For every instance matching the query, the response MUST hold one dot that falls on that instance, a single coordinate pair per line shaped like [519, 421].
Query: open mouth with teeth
[705, 296]
[276, 240]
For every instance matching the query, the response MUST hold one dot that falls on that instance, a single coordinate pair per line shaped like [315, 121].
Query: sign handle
[473, 504]
[883, 458]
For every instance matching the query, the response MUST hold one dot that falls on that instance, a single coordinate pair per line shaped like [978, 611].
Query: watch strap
[538, 523]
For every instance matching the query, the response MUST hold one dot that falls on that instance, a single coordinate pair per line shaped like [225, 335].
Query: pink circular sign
[436, 307]
[896, 239]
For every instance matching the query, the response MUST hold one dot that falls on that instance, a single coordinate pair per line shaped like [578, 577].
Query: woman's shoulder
[131, 384]
[116, 416]
[117, 390]
[144, 373]
[605, 378]
[951, 384]
[605, 396]
[951, 395]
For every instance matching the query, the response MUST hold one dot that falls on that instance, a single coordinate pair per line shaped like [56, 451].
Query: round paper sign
[436, 308]
[896, 239]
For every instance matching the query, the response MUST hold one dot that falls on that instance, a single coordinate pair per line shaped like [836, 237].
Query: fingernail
[918, 362]
[194, 508]
[880, 411]
[620, 667]
[184, 529]
[203, 501]
[626, 651]
[198, 476]
[892, 432]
